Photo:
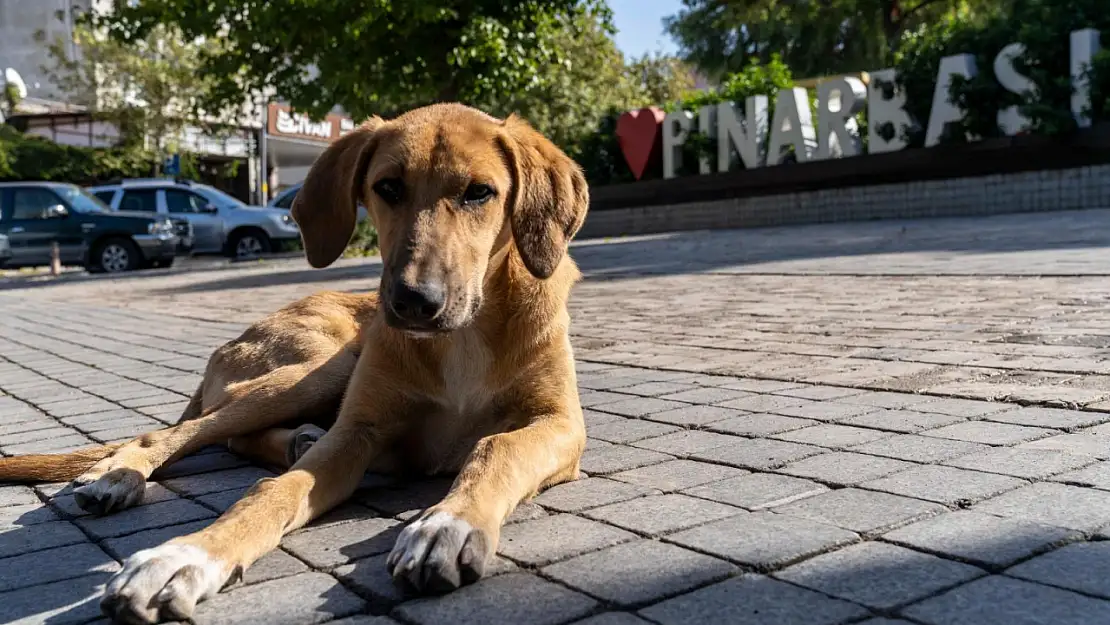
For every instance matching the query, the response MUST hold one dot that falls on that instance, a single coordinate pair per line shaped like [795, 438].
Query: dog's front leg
[450, 543]
[166, 582]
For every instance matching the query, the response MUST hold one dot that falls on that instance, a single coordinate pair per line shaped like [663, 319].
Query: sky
[640, 25]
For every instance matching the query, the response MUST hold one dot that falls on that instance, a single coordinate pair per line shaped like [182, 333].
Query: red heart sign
[638, 135]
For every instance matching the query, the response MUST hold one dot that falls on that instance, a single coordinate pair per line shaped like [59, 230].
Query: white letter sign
[793, 125]
[1084, 46]
[882, 110]
[676, 127]
[1010, 120]
[838, 102]
[745, 136]
[944, 111]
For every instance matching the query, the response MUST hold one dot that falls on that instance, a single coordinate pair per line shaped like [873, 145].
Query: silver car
[221, 223]
[284, 199]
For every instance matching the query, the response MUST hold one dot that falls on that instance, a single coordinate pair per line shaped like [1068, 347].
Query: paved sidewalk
[821, 425]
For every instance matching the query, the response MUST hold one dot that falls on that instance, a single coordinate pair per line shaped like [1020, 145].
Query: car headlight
[287, 221]
[160, 227]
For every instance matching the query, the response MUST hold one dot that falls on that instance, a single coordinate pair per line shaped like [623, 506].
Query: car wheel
[250, 244]
[116, 256]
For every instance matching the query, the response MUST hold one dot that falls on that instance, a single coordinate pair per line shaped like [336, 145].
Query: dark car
[35, 215]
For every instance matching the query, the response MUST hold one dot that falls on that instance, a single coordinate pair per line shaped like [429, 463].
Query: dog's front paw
[439, 552]
[163, 583]
[100, 492]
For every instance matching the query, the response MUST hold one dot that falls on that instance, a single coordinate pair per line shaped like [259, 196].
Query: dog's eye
[477, 194]
[390, 189]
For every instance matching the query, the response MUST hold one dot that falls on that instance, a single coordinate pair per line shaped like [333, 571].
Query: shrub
[1043, 27]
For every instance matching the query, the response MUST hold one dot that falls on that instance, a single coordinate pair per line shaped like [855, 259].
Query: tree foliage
[151, 88]
[371, 57]
[813, 38]
[24, 157]
[1043, 27]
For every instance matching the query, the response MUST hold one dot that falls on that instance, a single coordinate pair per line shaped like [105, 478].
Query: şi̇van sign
[742, 136]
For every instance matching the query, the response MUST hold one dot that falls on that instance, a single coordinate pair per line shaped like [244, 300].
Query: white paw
[438, 553]
[163, 583]
[110, 492]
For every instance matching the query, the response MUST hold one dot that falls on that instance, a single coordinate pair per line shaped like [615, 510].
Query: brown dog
[465, 365]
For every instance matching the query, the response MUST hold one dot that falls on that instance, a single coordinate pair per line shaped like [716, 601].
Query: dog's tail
[37, 468]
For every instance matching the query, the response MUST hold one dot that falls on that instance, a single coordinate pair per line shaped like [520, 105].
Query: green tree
[370, 57]
[814, 38]
[1043, 27]
[150, 88]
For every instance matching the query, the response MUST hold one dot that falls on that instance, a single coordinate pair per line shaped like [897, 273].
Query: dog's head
[447, 187]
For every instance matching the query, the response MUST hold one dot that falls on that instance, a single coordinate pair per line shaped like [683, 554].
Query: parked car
[221, 223]
[285, 198]
[35, 215]
[5, 251]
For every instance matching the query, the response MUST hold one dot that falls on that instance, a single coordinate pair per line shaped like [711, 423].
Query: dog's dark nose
[417, 303]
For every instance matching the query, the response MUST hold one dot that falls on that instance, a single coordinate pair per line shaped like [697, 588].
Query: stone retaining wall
[1024, 192]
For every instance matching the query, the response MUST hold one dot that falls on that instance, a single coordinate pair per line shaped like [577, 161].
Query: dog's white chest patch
[465, 371]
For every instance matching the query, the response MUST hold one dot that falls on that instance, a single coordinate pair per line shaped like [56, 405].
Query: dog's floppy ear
[325, 208]
[549, 197]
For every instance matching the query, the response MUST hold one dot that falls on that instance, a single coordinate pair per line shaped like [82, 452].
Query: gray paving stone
[332, 545]
[758, 454]
[638, 406]
[1060, 419]
[878, 575]
[31, 423]
[638, 572]
[1027, 463]
[963, 407]
[57, 603]
[24, 515]
[590, 398]
[501, 599]
[589, 493]
[661, 514]
[526, 511]
[906, 421]
[1082, 509]
[915, 448]
[947, 485]
[999, 600]
[657, 389]
[615, 458]
[200, 463]
[820, 393]
[629, 430]
[677, 475]
[706, 395]
[754, 386]
[36, 435]
[834, 436]
[1096, 475]
[1082, 567]
[162, 514]
[122, 547]
[861, 511]
[844, 468]
[989, 433]
[214, 482]
[825, 411]
[763, 540]
[765, 403]
[405, 499]
[17, 496]
[60, 444]
[758, 424]
[1080, 444]
[686, 442]
[753, 600]
[65, 503]
[613, 618]
[758, 490]
[304, 598]
[695, 415]
[370, 579]
[557, 537]
[365, 620]
[981, 539]
[52, 565]
[20, 540]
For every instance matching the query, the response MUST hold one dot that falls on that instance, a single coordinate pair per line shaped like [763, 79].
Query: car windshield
[220, 196]
[81, 200]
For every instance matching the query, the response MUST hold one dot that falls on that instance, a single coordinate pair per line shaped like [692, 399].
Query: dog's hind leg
[118, 481]
[278, 447]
